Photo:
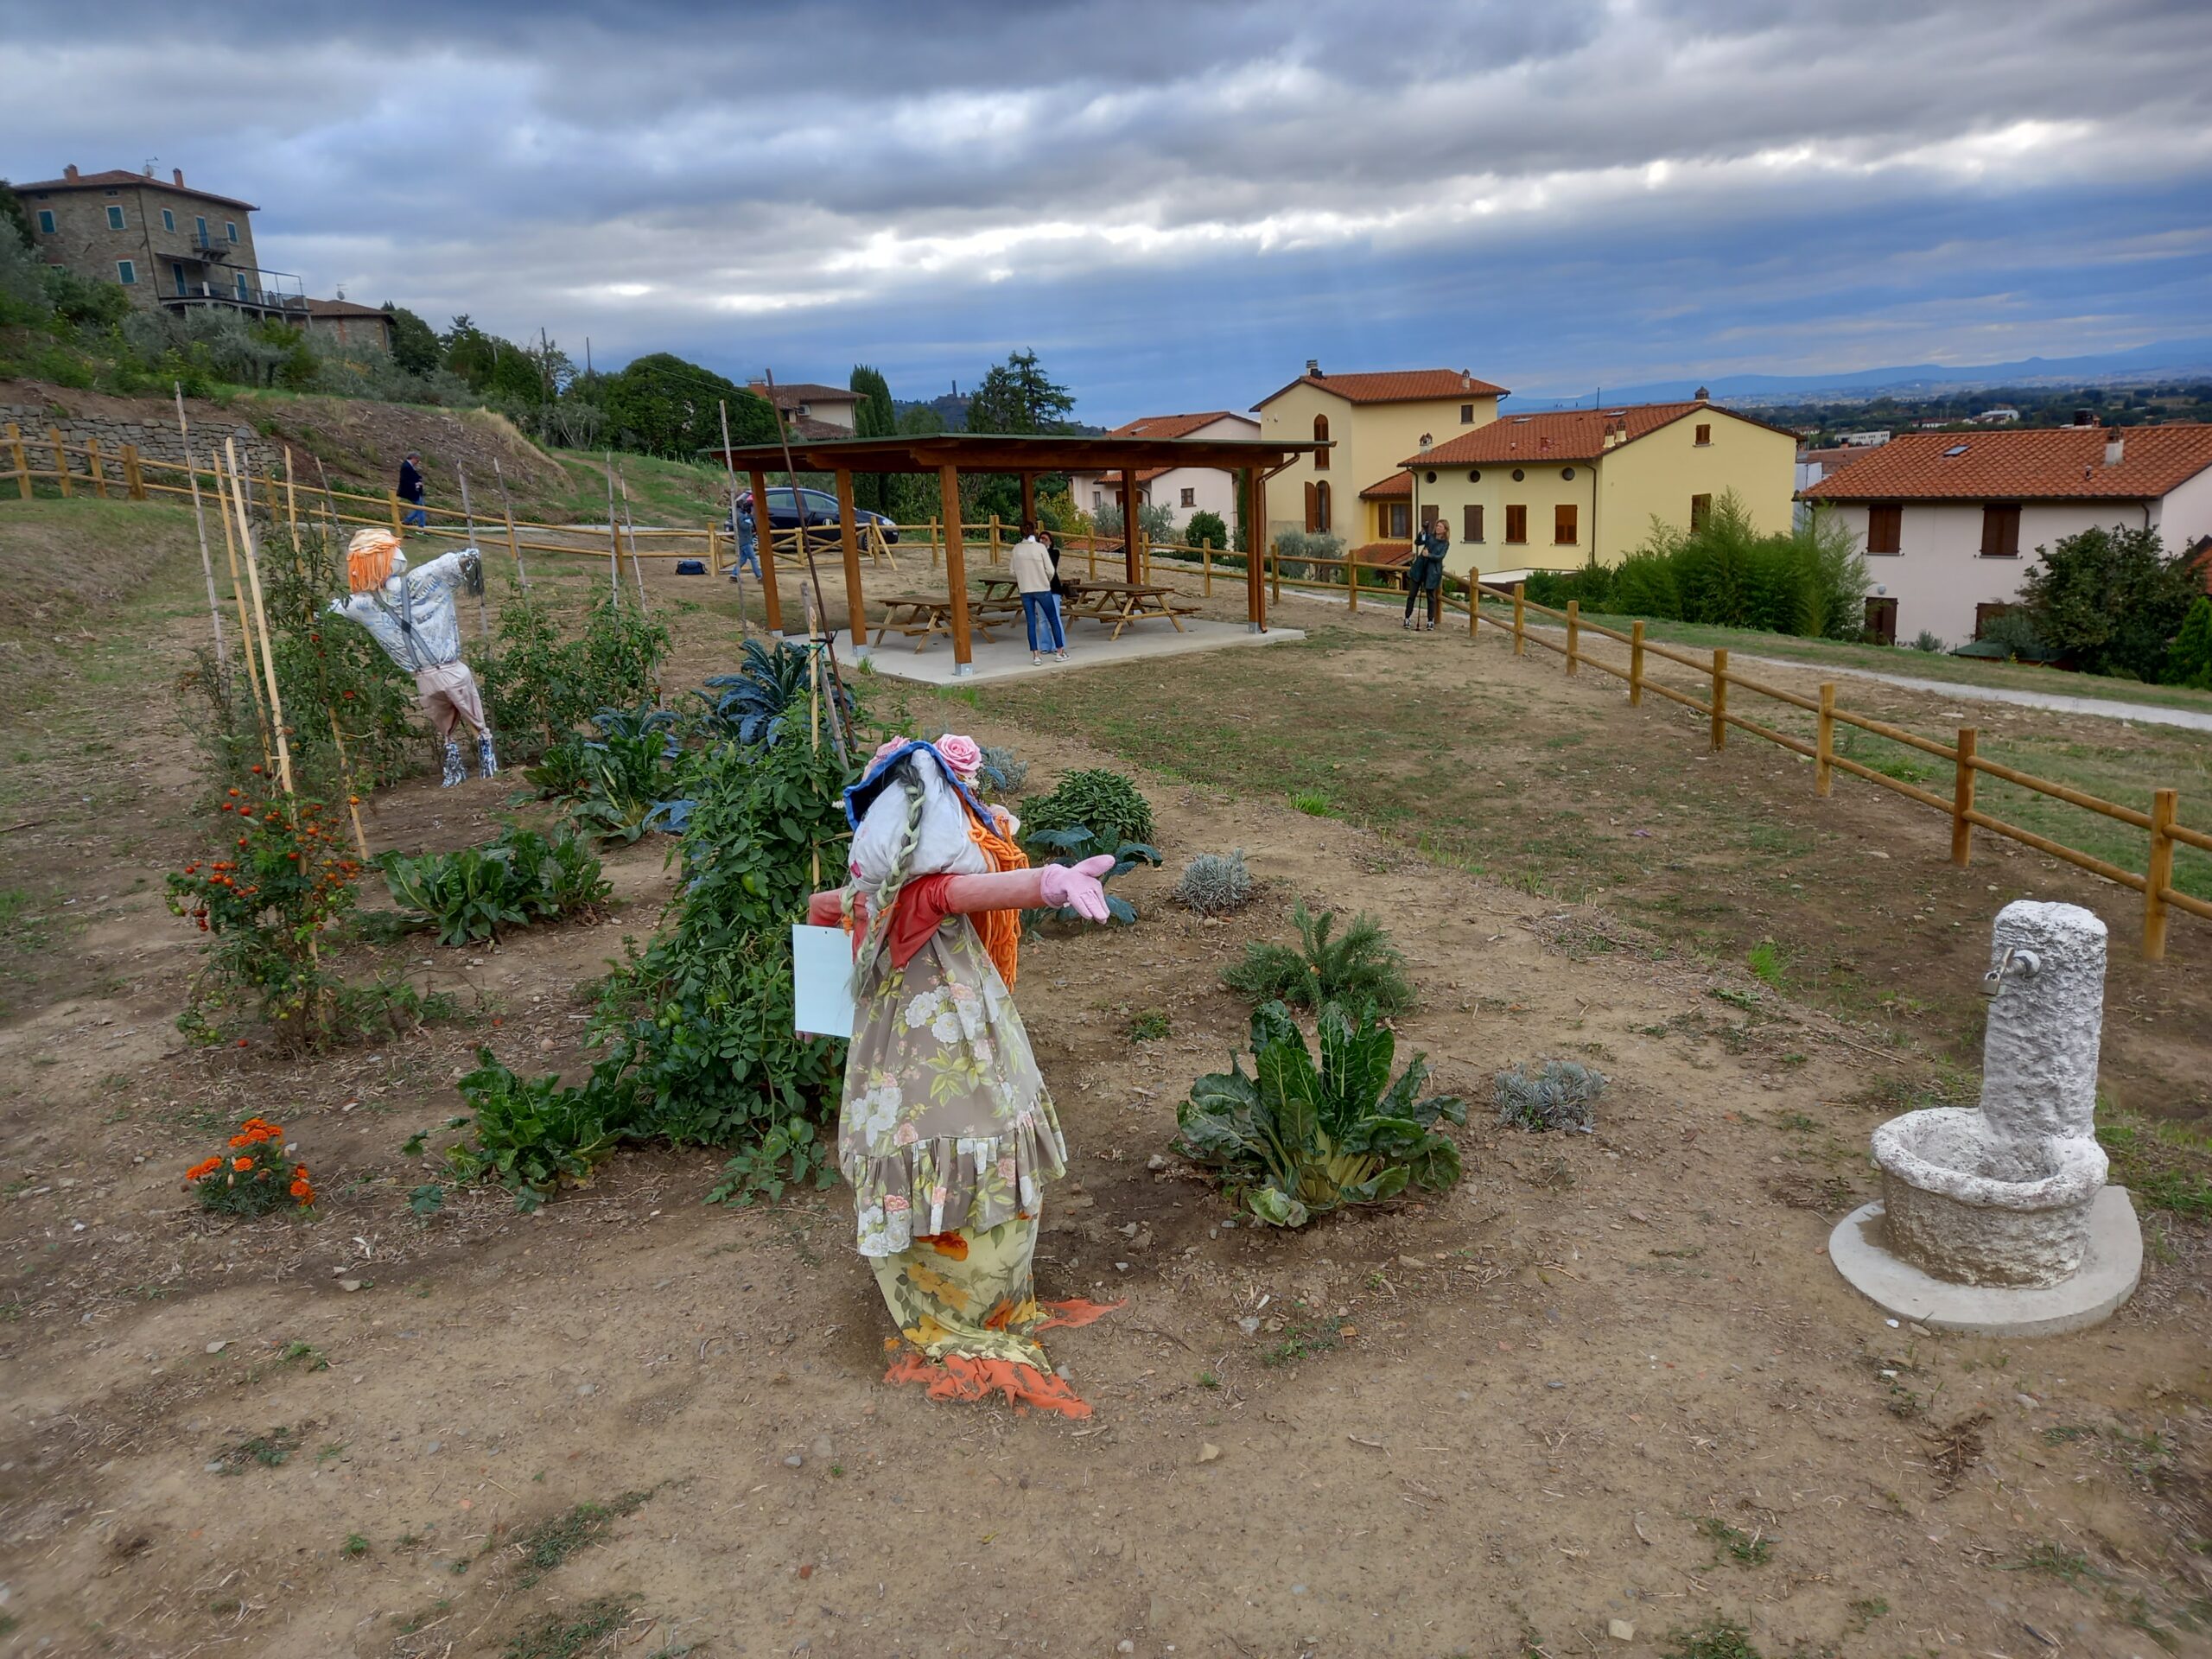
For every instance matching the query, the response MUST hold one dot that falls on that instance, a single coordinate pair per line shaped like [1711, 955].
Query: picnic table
[928, 615]
[1118, 604]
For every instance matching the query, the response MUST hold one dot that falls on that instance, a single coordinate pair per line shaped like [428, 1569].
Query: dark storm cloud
[1175, 199]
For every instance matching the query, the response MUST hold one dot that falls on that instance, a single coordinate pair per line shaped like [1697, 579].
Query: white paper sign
[822, 981]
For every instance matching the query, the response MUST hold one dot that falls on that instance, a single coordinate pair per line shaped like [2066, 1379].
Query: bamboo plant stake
[268, 659]
[613, 548]
[629, 525]
[469, 512]
[337, 734]
[737, 550]
[245, 627]
[200, 524]
[508, 506]
[761, 512]
[292, 502]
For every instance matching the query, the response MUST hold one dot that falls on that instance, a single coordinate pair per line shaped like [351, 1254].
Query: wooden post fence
[2159, 875]
[1636, 664]
[60, 458]
[1962, 799]
[1824, 741]
[1474, 598]
[94, 467]
[134, 481]
[20, 457]
[1719, 700]
[1573, 633]
[1519, 618]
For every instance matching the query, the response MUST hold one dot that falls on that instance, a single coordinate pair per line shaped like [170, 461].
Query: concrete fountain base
[2110, 1267]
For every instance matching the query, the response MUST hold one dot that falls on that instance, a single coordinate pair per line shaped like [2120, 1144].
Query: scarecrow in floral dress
[947, 1134]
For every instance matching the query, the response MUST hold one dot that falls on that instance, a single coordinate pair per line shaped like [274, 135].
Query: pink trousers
[449, 696]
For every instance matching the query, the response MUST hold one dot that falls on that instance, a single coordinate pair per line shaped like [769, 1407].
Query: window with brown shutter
[1321, 436]
[1191, 497]
[1402, 522]
[1986, 615]
[1467, 414]
[1701, 510]
[1516, 525]
[1885, 527]
[2000, 533]
[1472, 518]
[1313, 506]
[1704, 435]
[1563, 526]
[1321, 505]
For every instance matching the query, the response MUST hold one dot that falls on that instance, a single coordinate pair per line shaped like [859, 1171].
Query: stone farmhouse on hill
[173, 246]
[1182, 491]
[1949, 521]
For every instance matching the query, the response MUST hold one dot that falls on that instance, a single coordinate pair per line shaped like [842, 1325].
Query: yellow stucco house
[1370, 421]
[1549, 492]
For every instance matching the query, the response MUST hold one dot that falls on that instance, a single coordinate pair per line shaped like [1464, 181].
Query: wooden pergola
[950, 453]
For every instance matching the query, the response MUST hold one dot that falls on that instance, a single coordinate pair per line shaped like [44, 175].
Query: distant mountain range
[2166, 359]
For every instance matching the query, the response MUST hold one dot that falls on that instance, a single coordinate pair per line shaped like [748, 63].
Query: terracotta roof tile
[1395, 386]
[804, 391]
[1170, 426]
[343, 309]
[1384, 553]
[2064, 463]
[116, 177]
[1563, 434]
[1399, 483]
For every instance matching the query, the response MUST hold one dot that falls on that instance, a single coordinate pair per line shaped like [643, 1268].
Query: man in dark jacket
[1424, 576]
[411, 490]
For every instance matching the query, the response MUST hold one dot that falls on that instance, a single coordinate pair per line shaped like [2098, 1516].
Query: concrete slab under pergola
[950, 453]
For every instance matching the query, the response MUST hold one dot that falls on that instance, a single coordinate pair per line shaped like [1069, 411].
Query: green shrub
[531, 1135]
[539, 687]
[517, 878]
[700, 1021]
[1292, 1141]
[2188, 659]
[773, 687]
[1005, 771]
[1105, 803]
[1205, 529]
[634, 770]
[1360, 969]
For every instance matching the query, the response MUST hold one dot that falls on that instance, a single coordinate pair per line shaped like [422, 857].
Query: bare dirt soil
[1612, 1378]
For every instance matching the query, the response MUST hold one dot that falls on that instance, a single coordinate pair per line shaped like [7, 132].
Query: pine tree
[2188, 659]
[873, 418]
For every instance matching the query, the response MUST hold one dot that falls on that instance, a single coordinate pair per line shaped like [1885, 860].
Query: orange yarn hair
[368, 560]
[999, 930]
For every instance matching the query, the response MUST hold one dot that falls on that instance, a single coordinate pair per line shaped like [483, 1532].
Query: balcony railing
[247, 298]
[211, 242]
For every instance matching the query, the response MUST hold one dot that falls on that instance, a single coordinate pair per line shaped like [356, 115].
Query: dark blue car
[820, 507]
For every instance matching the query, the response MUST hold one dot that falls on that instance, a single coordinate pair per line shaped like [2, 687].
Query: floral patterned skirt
[966, 1303]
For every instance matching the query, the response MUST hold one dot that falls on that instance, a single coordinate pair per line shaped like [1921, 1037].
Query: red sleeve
[921, 907]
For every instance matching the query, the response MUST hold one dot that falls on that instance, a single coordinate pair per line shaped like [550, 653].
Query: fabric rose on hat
[964, 754]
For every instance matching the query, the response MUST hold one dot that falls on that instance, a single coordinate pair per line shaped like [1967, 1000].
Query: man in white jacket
[411, 615]
[1033, 575]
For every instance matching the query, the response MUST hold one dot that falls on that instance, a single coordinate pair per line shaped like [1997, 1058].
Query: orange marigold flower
[242, 1140]
[204, 1166]
[303, 1193]
[241, 1165]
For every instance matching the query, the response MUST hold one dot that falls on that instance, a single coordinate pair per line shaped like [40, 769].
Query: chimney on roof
[1313, 367]
[70, 172]
[177, 172]
[2083, 418]
[2115, 446]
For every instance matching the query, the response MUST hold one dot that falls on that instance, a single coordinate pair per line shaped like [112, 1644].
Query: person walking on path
[748, 555]
[1424, 576]
[411, 616]
[410, 491]
[1033, 575]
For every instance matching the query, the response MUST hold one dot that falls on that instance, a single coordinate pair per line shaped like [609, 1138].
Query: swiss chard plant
[1291, 1140]
[518, 878]
[530, 1135]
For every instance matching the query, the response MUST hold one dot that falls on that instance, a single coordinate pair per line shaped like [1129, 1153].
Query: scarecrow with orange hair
[947, 1133]
[410, 613]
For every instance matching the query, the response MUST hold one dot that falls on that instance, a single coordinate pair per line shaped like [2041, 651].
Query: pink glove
[1077, 887]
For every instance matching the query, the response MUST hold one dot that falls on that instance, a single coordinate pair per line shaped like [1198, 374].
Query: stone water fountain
[1997, 1221]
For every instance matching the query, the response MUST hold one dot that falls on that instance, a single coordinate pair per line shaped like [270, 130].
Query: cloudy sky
[1177, 202]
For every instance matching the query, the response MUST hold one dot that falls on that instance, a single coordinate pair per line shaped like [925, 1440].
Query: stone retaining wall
[155, 441]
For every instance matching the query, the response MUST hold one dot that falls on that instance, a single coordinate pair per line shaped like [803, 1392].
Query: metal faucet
[2024, 964]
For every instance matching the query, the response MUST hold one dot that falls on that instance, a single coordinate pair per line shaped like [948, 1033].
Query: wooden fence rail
[2161, 823]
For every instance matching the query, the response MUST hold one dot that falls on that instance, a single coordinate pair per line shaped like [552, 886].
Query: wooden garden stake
[637, 572]
[613, 547]
[736, 535]
[2158, 874]
[1719, 700]
[1636, 664]
[1824, 741]
[469, 513]
[200, 524]
[352, 794]
[1962, 799]
[261, 625]
[291, 501]
[508, 506]
[806, 542]
[245, 627]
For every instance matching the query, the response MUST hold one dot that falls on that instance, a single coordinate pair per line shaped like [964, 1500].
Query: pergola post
[1256, 553]
[848, 537]
[1128, 524]
[764, 544]
[1028, 501]
[955, 571]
